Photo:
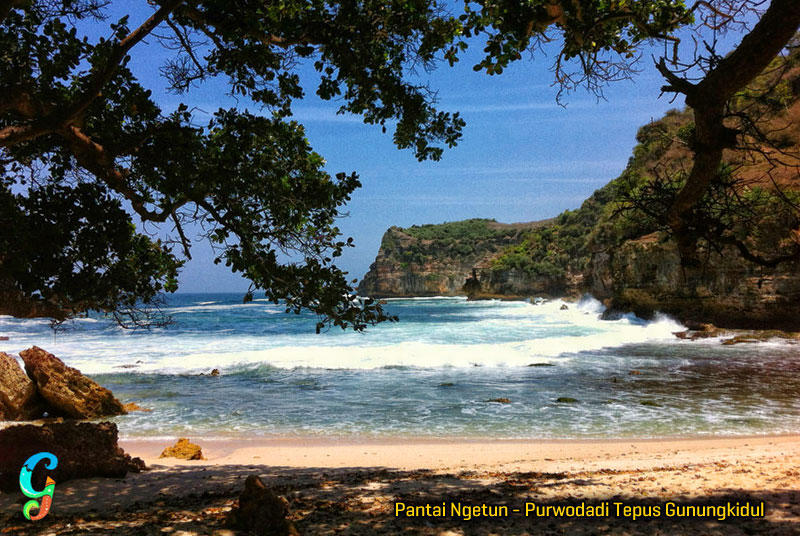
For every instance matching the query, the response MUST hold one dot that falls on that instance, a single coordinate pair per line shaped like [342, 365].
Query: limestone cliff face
[436, 260]
[611, 247]
[401, 270]
[645, 276]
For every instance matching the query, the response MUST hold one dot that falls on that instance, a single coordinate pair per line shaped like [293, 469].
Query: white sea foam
[363, 355]
[498, 333]
[221, 307]
[423, 298]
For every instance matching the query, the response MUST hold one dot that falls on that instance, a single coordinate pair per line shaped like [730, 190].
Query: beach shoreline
[353, 486]
[444, 454]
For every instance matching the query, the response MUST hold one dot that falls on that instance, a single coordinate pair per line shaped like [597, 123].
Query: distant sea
[432, 374]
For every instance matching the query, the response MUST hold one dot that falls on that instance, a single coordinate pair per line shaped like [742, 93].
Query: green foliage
[80, 250]
[85, 150]
[467, 241]
[567, 245]
[601, 37]
[474, 229]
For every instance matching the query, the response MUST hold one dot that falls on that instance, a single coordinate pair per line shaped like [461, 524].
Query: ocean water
[432, 374]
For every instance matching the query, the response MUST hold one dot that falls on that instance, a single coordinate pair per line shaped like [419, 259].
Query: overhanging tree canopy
[83, 145]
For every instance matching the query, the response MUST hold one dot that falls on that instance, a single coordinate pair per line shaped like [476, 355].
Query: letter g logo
[27, 488]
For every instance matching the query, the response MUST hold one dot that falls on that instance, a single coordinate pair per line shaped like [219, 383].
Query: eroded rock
[183, 450]
[133, 406]
[66, 390]
[19, 400]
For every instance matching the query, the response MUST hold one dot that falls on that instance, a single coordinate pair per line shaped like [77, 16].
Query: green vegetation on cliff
[752, 205]
[473, 229]
[460, 239]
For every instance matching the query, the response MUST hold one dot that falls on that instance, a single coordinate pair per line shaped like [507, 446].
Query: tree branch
[100, 78]
[708, 99]
[676, 83]
[758, 48]
[95, 158]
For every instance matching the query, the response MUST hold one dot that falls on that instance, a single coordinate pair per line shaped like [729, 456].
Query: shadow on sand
[361, 500]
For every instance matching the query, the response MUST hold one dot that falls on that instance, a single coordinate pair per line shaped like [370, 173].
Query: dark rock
[3, 338]
[650, 403]
[635, 373]
[566, 400]
[83, 449]
[215, 372]
[261, 511]
[184, 450]
[760, 336]
[472, 285]
[541, 365]
[699, 331]
[564, 307]
[500, 400]
[19, 400]
[739, 339]
[66, 390]
[446, 384]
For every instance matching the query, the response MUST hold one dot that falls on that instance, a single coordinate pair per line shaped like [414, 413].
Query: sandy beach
[353, 486]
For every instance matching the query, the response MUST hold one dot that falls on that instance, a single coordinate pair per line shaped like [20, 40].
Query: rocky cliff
[437, 260]
[614, 245]
[645, 276]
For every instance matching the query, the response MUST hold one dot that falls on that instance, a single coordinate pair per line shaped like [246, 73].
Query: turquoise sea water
[430, 375]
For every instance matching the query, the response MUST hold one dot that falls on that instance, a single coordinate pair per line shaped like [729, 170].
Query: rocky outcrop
[437, 260]
[133, 406]
[645, 276]
[642, 275]
[183, 450]
[83, 449]
[261, 511]
[68, 392]
[19, 400]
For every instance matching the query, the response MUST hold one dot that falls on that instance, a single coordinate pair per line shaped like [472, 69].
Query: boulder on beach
[19, 400]
[66, 390]
[261, 511]
[184, 450]
[83, 449]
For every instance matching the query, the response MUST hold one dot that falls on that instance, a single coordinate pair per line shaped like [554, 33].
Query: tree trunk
[709, 98]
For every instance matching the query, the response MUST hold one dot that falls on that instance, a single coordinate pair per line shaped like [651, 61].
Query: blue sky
[522, 157]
